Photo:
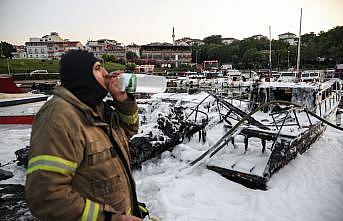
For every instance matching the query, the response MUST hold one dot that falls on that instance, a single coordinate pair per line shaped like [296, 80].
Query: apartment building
[106, 46]
[50, 46]
[167, 53]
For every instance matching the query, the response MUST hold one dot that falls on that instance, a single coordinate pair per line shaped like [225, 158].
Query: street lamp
[288, 59]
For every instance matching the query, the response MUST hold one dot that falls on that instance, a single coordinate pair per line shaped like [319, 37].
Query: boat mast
[270, 50]
[298, 58]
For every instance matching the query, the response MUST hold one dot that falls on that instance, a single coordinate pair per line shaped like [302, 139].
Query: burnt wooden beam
[266, 135]
[239, 112]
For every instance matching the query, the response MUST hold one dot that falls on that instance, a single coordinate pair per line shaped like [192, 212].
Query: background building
[228, 41]
[167, 53]
[50, 46]
[291, 38]
[20, 53]
[106, 46]
[188, 42]
[134, 48]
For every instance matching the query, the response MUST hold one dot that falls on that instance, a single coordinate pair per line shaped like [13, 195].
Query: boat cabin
[307, 95]
[287, 76]
[312, 75]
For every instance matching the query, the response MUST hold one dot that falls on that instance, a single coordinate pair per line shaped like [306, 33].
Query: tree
[6, 49]
[130, 66]
[130, 55]
[321, 50]
[249, 57]
[109, 58]
[213, 39]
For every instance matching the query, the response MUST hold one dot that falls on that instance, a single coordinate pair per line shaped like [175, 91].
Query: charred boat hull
[254, 172]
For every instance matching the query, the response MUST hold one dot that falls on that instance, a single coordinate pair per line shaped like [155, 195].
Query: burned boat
[287, 119]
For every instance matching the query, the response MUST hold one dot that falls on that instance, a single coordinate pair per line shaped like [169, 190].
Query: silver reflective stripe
[53, 164]
[91, 211]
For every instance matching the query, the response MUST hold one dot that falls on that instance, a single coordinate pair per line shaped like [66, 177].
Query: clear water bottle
[142, 83]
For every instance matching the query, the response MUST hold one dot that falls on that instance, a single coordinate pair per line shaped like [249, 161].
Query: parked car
[39, 72]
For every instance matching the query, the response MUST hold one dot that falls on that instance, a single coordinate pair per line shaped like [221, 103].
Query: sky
[146, 21]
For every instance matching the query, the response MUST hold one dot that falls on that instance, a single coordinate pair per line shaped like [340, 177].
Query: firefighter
[79, 158]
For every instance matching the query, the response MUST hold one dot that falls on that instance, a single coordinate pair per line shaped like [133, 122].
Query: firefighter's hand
[125, 218]
[113, 86]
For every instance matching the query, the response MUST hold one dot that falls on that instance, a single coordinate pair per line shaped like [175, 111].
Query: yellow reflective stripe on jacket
[91, 211]
[128, 119]
[129, 211]
[143, 209]
[52, 164]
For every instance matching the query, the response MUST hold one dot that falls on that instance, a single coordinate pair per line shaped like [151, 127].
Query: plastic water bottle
[142, 83]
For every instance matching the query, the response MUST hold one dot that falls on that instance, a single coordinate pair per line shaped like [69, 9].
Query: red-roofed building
[50, 47]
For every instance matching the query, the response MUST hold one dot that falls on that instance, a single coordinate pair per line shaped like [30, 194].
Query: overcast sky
[145, 21]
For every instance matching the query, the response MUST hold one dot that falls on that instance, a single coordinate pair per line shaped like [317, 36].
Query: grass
[28, 65]
[52, 66]
[110, 66]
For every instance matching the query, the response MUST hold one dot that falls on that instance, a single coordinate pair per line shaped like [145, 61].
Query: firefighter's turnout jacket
[74, 171]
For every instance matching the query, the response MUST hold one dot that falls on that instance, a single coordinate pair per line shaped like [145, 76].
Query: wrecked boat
[286, 119]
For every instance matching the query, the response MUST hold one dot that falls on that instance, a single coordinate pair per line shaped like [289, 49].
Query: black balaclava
[76, 69]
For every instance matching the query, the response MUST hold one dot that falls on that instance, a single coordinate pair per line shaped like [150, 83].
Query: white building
[50, 46]
[134, 48]
[36, 49]
[20, 53]
[228, 41]
[186, 41]
[106, 46]
[257, 37]
[291, 38]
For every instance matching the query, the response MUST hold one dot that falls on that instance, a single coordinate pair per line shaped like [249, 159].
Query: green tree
[109, 58]
[6, 49]
[130, 55]
[213, 39]
[321, 50]
[130, 66]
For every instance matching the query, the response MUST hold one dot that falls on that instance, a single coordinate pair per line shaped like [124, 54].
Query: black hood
[76, 69]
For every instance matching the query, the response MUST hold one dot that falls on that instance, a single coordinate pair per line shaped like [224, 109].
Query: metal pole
[298, 59]
[287, 59]
[8, 67]
[1, 49]
[270, 50]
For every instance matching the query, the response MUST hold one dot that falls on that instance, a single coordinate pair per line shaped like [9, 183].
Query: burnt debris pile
[164, 134]
[12, 203]
[22, 156]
